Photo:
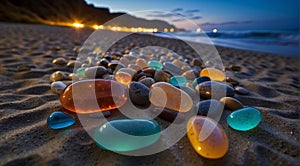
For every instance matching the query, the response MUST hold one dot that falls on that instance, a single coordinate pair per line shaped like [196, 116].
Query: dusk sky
[226, 14]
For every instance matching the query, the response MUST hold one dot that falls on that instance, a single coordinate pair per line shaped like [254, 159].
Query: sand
[26, 52]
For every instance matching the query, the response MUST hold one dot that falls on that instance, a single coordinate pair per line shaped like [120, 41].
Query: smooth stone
[95, 72]
[93, 96]
[57, 87]
[59, 120]
[235, 68]
[162, 76]
[115, 66]
[212, 108]
[186, 68]
[207, 137]
[189, 75]
[140, 74]
[134, 67]
[139, 94]
[72, 64]
[191, 92]
[196, 70]
[232, 81]
[141, 62]
[26, 67]
[123, 78]
[172, 68]
[178, 80]
[58, 76]
[215, 90]
[103, 62]
[80, 71]
[196, 62]
[244, 119]
[91, 61]
[73, 76]
[147, 81]
[231, 103]
[123, 135]
[199, 80]
[213, 74]
[155, 64]
[178, 63]
[128, 70]
[60, 61]
[124, 61]
[168, 115]
[150, 71]
[163, 94]
[130, 57]
[240, 90]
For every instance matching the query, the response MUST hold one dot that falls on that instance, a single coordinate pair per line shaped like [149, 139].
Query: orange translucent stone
[123, 78]
[141, 62]
[207, 137]
[135, 67]
[90, 96]
[213, 74]
[165, 95]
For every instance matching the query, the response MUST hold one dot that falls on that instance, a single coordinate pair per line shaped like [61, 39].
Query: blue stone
[199, 80]
[59, 120]
[244, 119]
[155, 64]
[178, 80]
[123, 135]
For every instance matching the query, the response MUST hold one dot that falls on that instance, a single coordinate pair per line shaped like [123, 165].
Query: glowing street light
[78, 25]
[172, 30]
[165, 29]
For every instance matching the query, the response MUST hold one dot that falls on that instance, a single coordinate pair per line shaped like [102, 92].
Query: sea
[283, 42]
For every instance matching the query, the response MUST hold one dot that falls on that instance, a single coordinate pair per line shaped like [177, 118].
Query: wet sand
[26, 100]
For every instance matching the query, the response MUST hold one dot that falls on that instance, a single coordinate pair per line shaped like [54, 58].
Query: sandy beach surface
[26, 100]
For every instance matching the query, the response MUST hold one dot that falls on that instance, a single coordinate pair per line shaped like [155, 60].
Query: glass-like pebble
[178, 80]
[213, 74]
[123, 78]
[244, 119]
[155, 64]
[80, 71]
[59, 120]
[122, 135]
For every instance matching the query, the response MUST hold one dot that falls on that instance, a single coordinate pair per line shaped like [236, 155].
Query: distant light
[172, 30]
[78, 25]
[165, 29]
[198, 30]
[155, 30]
[96, 27]
[215, 30]
[101, 27]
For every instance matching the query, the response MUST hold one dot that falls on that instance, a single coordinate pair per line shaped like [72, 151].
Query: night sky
[226, 14]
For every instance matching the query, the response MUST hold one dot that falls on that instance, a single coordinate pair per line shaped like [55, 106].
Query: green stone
[80, 71]
[155, 64]
[244, 119]
[123, 135]
[178, 81]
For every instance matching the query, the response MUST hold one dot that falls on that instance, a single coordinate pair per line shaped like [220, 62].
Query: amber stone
[213, 74]
[90, 96]
[123, 78]
[231, 103]
[163, 94]
[207, 137]
[141, 62]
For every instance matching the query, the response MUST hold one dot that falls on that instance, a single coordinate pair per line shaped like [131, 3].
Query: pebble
[58, 76]
[189, 75]
[232, 81]
[95, 72]
[141, 62]
[196, 62]
[147, 81]
[199, 80]
[231, 103]
[73, 76]
[123, 78]
[57, 87]
[139, 94]
[178, 81]
[235, 68]
[59, 120]
[115, 66]
[215, 90]
[178, 63]
[60, 61]
[122, 135]
[207, 137]
[103, 62]
[135, 67]
[185, 68]
[174, 69]
[150, 71]
[165, 95]
[155, 64]
[26, 67]
[128, 70]
[191, 92]
[89, 96]
[212, 108]
[244, 119]
[162, 76]
[240, 90]
[168, 115]
[213, 74]
[80, 71]
[72, 64]
[124, 61]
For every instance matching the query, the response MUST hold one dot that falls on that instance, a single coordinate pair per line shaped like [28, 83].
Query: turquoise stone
[123, 135]
[80, 71]
[155, 64]
[178, 81]
[199, 80]
[59, 120]
[244, 119]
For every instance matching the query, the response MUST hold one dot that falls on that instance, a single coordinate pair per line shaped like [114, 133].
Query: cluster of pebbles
[174, 85]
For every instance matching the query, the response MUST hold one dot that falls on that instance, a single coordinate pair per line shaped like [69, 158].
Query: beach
[26, 101]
